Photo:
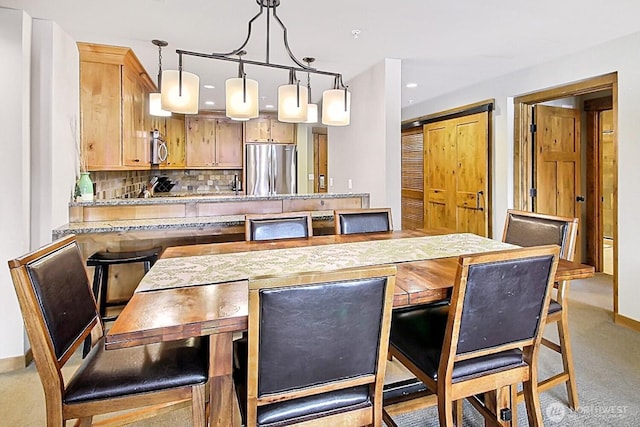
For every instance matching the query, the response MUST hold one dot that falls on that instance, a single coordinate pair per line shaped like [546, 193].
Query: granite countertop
[170, 199]
[161, 224]
[119, 226]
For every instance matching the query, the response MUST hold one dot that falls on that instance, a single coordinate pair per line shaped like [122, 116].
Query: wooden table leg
[221, 399]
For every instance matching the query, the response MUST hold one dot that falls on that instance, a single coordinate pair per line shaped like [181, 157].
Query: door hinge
[533, 128]
[533, 192]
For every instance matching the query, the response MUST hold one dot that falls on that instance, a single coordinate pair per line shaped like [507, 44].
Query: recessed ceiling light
[209, 86]
[411, 101]
[355, 33]
[269, 106]
[412, 85]
[210, 103]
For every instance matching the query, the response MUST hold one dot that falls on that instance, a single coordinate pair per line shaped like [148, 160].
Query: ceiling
[443, 45]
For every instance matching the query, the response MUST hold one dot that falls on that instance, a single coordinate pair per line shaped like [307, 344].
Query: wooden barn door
[457, 174]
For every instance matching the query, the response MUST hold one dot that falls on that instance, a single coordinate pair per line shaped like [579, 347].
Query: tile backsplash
[126, 184]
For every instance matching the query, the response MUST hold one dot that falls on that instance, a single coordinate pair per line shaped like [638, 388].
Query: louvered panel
[412, 202]
[412, 162]
[412, 213]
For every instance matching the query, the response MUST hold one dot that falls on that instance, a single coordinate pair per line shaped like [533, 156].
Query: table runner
[205, 269]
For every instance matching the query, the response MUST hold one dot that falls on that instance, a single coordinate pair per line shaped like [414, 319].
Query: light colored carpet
[606, 359]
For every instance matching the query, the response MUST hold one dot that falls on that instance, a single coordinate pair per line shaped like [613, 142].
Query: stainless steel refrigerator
[271, 169]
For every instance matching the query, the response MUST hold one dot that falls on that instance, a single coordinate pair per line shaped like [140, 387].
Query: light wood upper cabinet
[201, 140]
[228, 143]
[115, 122]
[269, 129]
[175, 137]
[135, 132]
[214, 142]
[99, 102]
[172, 129]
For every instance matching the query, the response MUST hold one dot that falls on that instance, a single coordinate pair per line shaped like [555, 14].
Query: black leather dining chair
[525, 229]
[316, 348]
[487, 339]
[365, 220]
[60, 311]
[278, 226]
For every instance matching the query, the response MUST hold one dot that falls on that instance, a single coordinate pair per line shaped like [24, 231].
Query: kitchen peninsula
[192, 219]
[137, 224]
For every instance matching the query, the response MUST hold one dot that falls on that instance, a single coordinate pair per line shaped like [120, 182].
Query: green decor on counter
[85, 187]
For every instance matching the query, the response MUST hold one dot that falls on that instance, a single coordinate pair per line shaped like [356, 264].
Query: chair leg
[532, 402]
[457, 412]
[445, 410]
[103, 290]
[198, 405]
[514, 404]
[567, 359]
[97, 280]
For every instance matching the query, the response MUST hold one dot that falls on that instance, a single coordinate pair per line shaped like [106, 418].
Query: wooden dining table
[190, 304]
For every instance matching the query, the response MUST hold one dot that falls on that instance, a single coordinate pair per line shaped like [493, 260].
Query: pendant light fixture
[336, 105]
[241, 95]
[293, 99]
[180, 90]
[312, 109]
[155, 107]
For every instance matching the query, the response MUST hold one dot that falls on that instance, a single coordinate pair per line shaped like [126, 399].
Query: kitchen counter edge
[211, 199]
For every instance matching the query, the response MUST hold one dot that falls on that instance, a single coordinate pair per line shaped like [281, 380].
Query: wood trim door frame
[595, 192]
[522, 149]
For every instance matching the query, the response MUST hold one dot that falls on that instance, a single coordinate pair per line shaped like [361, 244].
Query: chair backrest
[366, 220]
[57, 305]
[534, 229]
[318, 334]
[278, 226]
[499, 302]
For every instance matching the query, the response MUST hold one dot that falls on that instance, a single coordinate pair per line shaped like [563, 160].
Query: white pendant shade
[292, 106]
[333, 108]
[172, 100]
[155, 106]
[241, 106]
[312, 113]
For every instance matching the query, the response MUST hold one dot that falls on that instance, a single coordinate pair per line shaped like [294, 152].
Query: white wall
[368, 150]
[55, 133]
[40, 79]
[15, 44]
[621, 55]
[303, 137]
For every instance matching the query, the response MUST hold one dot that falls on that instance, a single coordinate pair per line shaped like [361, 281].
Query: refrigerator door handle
[272, 170]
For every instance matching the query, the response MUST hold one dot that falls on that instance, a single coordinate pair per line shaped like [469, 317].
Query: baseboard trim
[627, 322]
[15, 363]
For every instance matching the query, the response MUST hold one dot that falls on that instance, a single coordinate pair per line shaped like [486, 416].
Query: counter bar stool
[530, 229]
[286, 225]
[102, 260]
[366, 220]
